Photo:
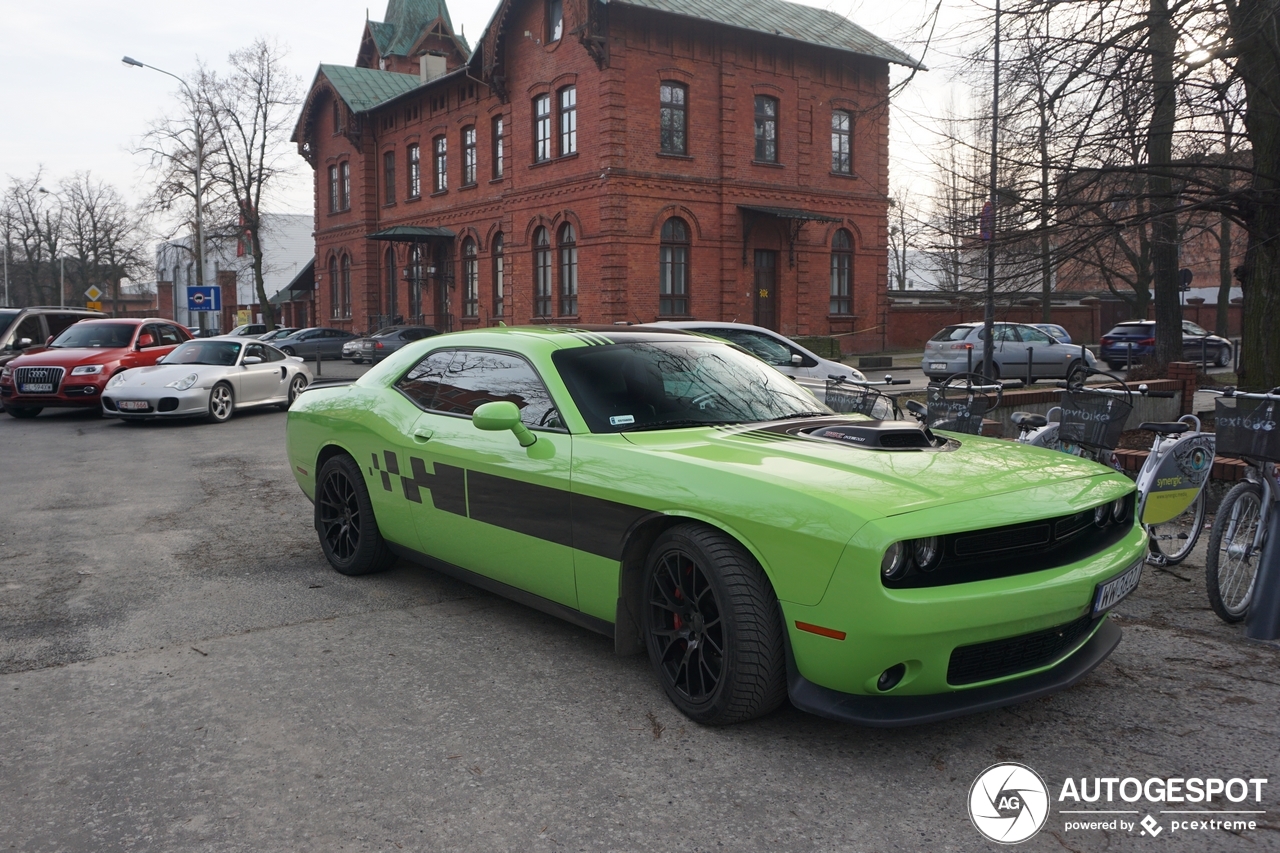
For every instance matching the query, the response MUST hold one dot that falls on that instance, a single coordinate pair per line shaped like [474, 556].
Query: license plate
[1110, 594]
[134, 405]
[937, 365]
[36, 388]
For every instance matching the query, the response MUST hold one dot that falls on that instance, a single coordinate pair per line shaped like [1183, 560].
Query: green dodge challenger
[676, 494]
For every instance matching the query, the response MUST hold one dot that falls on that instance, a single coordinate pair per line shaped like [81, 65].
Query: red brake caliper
[679, 623]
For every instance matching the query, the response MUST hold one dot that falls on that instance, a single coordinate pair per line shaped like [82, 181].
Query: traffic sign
[93, 292]
[93, 306]
[204, 299]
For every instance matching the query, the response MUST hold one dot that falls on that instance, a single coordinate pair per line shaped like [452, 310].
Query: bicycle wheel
[1232, 562]
[1174, 539]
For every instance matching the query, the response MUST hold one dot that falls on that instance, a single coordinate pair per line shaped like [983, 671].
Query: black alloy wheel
[712, 627]
[348, 531]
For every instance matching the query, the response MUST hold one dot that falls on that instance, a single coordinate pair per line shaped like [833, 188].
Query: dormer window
[555, 19]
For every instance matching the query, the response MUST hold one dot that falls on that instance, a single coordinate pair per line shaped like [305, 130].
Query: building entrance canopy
[795, 219]
[411, 234]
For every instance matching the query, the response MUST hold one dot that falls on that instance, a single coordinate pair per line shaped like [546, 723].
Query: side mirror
[23, 343]
[796, 359]
[502, 415]
[145, 341]
[251, 359]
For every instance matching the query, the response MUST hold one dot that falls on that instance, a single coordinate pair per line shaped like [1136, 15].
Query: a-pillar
[227, 284]
[164, 299]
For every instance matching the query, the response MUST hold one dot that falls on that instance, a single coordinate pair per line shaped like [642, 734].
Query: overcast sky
[69, 104]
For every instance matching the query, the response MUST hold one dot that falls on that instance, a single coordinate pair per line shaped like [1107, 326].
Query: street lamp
[62, 268]
[199, 131]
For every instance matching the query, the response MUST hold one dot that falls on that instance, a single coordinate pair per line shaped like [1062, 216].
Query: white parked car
[772, 348]
[209, 378]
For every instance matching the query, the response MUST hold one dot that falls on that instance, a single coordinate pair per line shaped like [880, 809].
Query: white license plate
[1110, 594]
[134, 405]
[36, 388]
[937, 365]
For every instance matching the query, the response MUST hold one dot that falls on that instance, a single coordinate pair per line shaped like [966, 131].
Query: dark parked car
[307, 342]
[383, 342]
[1136, 339]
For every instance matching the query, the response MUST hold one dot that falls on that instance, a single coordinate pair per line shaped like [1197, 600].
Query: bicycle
[1170, 484]
[1240, 528]
[958, 403]
[852, 396]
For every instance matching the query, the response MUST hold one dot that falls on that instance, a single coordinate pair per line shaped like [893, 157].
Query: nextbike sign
[204, 299]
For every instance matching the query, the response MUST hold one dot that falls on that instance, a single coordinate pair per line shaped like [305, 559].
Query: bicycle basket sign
[1248, 428]
[1091, 419]
[957, 414]
[1178, 479]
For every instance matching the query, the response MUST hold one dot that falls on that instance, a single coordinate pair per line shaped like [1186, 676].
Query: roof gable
[361, 89]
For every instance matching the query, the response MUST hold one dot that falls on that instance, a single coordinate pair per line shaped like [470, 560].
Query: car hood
[68, 357]
[160, 374]
[880, 482]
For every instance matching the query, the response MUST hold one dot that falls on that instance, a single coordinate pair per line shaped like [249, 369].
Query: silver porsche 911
[208, 378]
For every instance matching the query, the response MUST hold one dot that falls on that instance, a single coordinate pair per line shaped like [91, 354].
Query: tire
[1075, 375]
[357, 361]
[1224, 357]
[1231, 565]
[24, 411]
[1175, 538]
[708, 603]
[222, 403]
[1115, 365]
[296, 386]
[289, 351]
[345, 523]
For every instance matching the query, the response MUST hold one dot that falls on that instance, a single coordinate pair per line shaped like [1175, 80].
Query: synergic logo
[1008, 803]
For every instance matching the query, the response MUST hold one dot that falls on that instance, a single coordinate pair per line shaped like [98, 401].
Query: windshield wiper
[676, 422]
[809, 415]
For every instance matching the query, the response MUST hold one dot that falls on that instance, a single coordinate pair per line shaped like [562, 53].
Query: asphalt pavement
[180, 670]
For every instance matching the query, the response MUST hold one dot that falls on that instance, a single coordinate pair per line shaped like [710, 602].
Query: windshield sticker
[619, 420]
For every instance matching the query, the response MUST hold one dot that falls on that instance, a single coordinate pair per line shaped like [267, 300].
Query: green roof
[786, 20]
[404, 22]
[362, 89]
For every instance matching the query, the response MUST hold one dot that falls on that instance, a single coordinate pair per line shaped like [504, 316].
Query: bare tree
[251, 111]
[103, 235]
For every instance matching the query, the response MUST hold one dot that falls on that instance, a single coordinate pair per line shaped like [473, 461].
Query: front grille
[109, 404]
[168, 404]
[998, 658]
[1016, 549]
[38, 375]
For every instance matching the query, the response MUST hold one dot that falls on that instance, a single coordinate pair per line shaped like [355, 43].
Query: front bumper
[892, 711]
[69, 395]
[161, 403]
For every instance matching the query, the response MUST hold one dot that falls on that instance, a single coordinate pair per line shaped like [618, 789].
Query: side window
[420, 383]
[30, 328]
[59, 322]
[151, 330]
[474, 377]
[256, 350]
[274, 354]
[763, 347]
[169, 336]
[1034, 336]
[1005, 334]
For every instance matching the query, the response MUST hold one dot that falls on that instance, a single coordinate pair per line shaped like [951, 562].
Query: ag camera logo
[1008, 803]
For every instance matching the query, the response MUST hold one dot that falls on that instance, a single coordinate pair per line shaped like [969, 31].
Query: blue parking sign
[204, 299]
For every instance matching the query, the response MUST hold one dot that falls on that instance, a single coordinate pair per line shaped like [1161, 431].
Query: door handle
[422, 435]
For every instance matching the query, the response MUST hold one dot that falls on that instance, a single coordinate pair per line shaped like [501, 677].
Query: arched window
[568, 271]
[346, 286]
[673, 269]
[541, 274]
[499, 278]
[415, 283]
[842, 273]
[470, 279]
[390, 273]
[334, 306]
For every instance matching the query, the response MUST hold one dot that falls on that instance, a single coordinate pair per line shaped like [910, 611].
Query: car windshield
[953, 333]
[1192, 329]
[96, 335]
[389, 330]
[204, 352]
[670, 384]
[6, 319]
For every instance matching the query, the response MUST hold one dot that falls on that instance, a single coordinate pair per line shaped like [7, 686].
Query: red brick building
[599, 161]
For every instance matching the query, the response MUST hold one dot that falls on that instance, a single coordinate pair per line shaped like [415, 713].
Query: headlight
[927, 553]
[184, 383]
[86, 370]
[116, 381]
[894, 563]
[1120, 510]
[1102, 514]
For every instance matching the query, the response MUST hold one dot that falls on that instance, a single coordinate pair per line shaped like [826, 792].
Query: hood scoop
[879, 435]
